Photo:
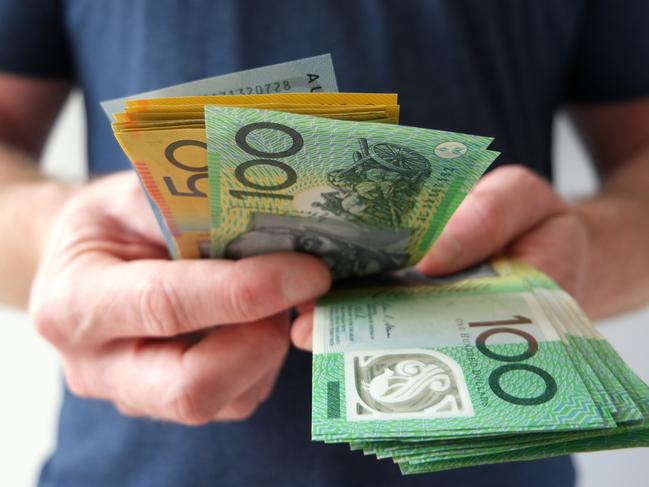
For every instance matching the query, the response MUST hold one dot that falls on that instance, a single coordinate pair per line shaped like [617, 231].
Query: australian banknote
[312, 74]
[365, 197]
[165, 140]
[496, 366]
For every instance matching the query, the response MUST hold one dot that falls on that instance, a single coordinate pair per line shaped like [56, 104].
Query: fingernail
[306, 282]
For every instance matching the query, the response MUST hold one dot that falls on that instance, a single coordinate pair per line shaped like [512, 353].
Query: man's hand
[511, 209]
[186, 341]
[597, 249]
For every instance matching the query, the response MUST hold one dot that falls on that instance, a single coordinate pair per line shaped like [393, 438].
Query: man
[150, 347]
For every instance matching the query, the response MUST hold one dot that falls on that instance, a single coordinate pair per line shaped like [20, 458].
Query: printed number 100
[514, 361]
[266, 159]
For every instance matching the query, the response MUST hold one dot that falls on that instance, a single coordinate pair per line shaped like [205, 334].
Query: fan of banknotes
[497, 364]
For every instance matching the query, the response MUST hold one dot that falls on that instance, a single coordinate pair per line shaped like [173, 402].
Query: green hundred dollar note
[363, 196]
[495, 364]
[443, 363]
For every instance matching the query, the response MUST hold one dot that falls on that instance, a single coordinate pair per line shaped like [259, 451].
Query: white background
[30, 376]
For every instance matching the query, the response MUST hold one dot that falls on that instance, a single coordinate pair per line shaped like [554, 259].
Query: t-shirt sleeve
[611, 62]
[33, 39]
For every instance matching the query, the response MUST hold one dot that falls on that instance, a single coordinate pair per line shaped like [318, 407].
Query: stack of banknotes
[495, 365]
[491, 366]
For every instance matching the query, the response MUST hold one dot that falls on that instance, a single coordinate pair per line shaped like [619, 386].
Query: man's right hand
[184, 341]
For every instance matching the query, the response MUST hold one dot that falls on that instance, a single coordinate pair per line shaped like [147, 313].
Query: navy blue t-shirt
[491, 67]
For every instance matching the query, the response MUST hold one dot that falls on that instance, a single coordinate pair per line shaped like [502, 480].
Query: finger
[245, 381]
[163, 299]
[305, 307]
[165, 379]
[239, 409]
[302, 331]
[567, 236]
[247, 403]
[503, 205]
[267, 384]
[128, 410]
[131, 210]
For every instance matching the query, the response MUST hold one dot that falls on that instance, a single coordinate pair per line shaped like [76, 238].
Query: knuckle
[242, 409]
[522, 175]
[126, 410]
[266, 393]
[159, 308]
[76, 385]
[242, 298]
[538, 188]
[490, 212]
[531, 182]
[47, 316]
[45, 320]
[277, 340]
[266, 389]
[186, 407]
[270, 338]
[245, 410]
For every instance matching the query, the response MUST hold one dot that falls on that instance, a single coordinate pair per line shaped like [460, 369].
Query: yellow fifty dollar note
[170, 153]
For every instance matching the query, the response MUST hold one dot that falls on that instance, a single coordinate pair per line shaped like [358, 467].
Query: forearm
[618, 223]
[28, 205]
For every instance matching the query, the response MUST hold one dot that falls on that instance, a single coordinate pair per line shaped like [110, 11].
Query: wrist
[52, 196]
[28, 211]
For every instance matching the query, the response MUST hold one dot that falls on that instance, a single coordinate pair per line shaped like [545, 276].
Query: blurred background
[30, 378]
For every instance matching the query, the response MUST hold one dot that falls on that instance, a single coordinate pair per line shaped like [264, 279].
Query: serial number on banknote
[275, 87]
